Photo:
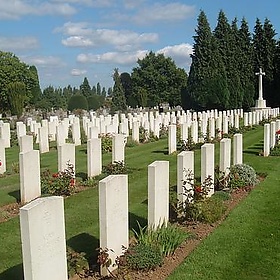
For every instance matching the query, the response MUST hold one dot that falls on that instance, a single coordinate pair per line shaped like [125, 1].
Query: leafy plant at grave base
[14, 139]
[15, 167]
[60, 183]
[198, 206]
[152, 137]
[143, 135]
[275, 151]
[168, 237]
[188, 145]
[163, 132]
[131, 143]
[220, 180]
[70, 136]
[103, 258]
[242, 175]
[76, 262]
[117, 167]
[142, 256]
[106, 142]
[221, 195]
[90, 183]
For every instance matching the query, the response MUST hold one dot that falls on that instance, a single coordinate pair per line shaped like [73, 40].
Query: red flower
[278, 132]
[198, 189]
[72, 182]
[0, 163]
[55, 175]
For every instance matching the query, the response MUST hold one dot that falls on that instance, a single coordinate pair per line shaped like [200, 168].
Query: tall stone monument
[260, 103]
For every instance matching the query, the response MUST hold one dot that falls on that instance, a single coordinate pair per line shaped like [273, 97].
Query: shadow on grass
[87, 244]
[134, 220]
[16, 195]
[165, 152]
[15, 272]
[252, 152]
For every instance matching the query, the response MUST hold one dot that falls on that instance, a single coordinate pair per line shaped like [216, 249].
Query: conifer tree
[118, 100]
[207, 84]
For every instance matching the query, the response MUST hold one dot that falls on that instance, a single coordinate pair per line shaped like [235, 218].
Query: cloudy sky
[70, 40]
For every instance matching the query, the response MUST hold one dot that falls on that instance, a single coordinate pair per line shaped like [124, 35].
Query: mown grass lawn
[81, 210]
[246, 245]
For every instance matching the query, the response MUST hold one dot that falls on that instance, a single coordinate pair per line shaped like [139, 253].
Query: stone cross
[260, 74]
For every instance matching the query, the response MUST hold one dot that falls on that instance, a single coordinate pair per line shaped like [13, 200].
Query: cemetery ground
[244, 246]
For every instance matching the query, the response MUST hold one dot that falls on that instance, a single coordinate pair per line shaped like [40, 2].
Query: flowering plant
[59, 183]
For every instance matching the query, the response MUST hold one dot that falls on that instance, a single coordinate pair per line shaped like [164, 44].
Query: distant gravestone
[25, 143]
[272, 134]
[43, 239]
[118, 145]
[207, 166]
[113, 217]
[2, 156]
[266, 140]
[94, 157]
[237, 149]
[172, 142]
[29, 171]
[158, 193]
[44, 139]
[5, 133]
[135, 131]
[225, 155]
[66, 155]
[185, 173]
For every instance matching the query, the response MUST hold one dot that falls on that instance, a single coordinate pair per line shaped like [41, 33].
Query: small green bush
[242, 175]
[117, 167]
[60, 183]
[106, 143]
[221, 195]
[167, 237]
[143, 256]
[77, 101]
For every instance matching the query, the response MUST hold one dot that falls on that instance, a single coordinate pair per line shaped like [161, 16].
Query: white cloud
[81, 35]
[179, 53]
[122, 58]
[78, 72]
[90, 3]
[44, 61]
[18, 43]
[15, 9]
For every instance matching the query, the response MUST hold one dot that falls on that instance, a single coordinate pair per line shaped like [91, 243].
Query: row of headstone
[270, 136]
[42, 220]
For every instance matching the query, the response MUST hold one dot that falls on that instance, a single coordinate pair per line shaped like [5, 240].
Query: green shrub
[77, 102]
[275, 151]
[143, 256]
[117, 167]
[95, 102]
[242, 175]
[106, 143]
[60, 183]
[221, 195]
[166, 237]
[76, 262]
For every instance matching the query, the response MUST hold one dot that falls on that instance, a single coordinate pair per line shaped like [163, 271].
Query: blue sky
[70, 40]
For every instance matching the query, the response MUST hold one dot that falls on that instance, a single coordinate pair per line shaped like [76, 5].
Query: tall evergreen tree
[207, 83]
[265, 47]
[118, 99]
[85, 89]
[276, 76]
[98, 89]
[245, 64]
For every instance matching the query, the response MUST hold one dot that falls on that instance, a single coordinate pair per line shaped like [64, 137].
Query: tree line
[222, 75]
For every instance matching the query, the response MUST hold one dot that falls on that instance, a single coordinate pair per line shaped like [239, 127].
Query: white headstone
[208, 166]
[25, 143]
[94, 157]
[66, 155]
[43, 239]
[172, 142]
[30, 179]
[237, 149]
[158, 193]
[266, 140]
[43, 140]
[225, 155]
[113, 217]
[185, 172]
[5, 133]
[118, 144]
[2, 156]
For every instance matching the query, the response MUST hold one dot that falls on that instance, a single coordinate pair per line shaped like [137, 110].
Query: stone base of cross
[261, 103]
